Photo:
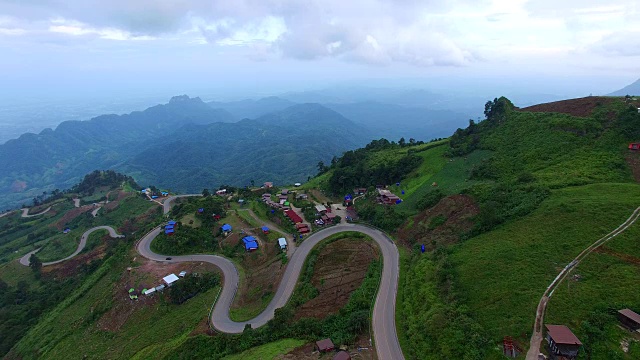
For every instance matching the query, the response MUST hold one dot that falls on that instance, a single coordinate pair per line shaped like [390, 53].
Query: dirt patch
[145, 276]
[340, 269]
[442, 224]
[360, 350]
[622, 256]
[319, 196]
[262, 269]
[70, 215]
[581, 107]
[633, 159]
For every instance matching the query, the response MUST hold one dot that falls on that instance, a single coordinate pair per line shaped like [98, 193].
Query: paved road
[536, 337]
[83, 242]
[384, 326]
[25, 212]
[166, 205]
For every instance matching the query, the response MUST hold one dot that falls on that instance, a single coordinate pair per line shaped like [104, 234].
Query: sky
[91, 48]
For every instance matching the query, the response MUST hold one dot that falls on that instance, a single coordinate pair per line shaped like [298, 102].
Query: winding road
[25, 212]
[83, 242]
[383, 321]
[384, 325]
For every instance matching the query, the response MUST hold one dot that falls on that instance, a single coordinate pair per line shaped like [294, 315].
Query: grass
[604, 283]
[152, 331]
[268, 351]
[504, 272]
[247, 313]
[189, 218]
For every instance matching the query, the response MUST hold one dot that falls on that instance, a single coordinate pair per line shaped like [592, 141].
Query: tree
[36, 265]
[205, 192]
[402, 142]
[321, 167]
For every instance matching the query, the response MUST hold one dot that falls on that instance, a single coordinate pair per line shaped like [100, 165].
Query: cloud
[356, 30]
[623, 43]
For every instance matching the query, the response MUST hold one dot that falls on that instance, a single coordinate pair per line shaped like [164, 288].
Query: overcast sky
[90, 47]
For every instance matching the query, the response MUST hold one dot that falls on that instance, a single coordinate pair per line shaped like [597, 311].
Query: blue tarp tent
[168, 231]
[265, 229]
[226, 227]
[172, 222]
[201, 210]
[250, 243]
[398, 201]
[168, 227]
[348, 197]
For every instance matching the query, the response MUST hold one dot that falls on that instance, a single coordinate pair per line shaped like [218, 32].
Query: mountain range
[185, 145]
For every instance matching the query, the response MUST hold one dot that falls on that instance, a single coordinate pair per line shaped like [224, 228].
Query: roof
[171, 278]
[321, 208]
[247, 239]
[152, 290]
[250, 245]
[264, 228]
[562, 335]
[342, 355]
[282, 242]
[172, 222]
[325, 344]
[631, 315]
[293, 216]
[226, 227]
[169, 231]
[330, 215]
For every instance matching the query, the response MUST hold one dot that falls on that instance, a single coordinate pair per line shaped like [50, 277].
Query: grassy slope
[147, 332]
[268, 351]
[504, 272]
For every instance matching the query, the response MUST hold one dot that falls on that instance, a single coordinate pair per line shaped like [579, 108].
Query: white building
[283, 243]
[170, 279]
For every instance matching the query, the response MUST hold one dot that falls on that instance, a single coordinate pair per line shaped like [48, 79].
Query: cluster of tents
[169, 229]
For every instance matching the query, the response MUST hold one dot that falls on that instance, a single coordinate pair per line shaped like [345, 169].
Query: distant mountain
[185, 145]
[59, 158]
[394, 121]
[632, 89]
[251, 109]
[283, 147]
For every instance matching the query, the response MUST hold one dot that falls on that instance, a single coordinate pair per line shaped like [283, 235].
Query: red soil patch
[633, 159]
[581, 107]
[455, 211]
[339, 270]
[622, 256]
[70, 215]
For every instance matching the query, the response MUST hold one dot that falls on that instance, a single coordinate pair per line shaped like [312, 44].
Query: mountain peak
[183, 99]
[631, 89]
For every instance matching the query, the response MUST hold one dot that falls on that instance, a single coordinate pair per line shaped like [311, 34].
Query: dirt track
[536, 337]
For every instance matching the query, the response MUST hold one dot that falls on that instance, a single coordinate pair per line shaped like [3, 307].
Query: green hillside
[540, 187]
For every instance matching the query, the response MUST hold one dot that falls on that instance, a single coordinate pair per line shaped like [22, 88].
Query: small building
[226, 228]
[321, 209]
[342, 355]
[330, 216]
[297, 184]
[221, 192]
[149, 291]
[302, 197]
[284, 192]
[303, 228]
[172, 223]
[182, 273]
[265, 230]
[283, 197]
[164, 193]
[268, 185]
[154, 196]
[562, 343]
[325, 345]
[634, 146]
[629, 319]
[169, 232]
[295, 218]
[66, 231]
[170, 279]
[250, 243]
[360, 191]
[160, 287]
[282, 242]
